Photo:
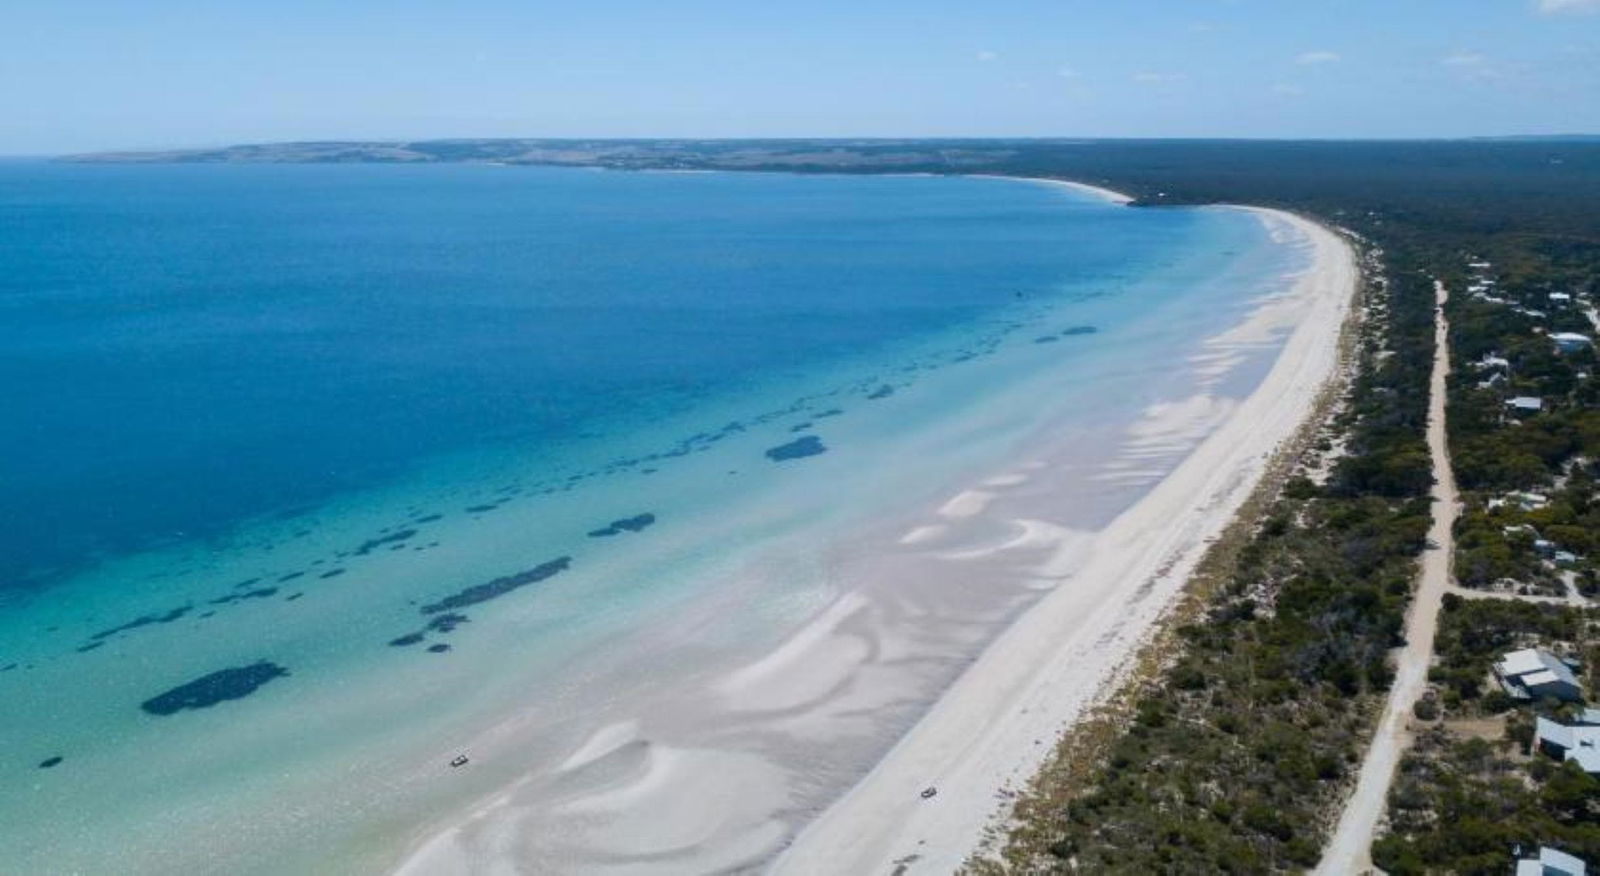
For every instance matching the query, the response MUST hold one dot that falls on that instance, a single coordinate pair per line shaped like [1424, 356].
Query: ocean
[320, 477]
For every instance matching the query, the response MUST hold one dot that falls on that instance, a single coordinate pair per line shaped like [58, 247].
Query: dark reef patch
[293, 596]
[290, 577]
[883, 391]
[429, 518]
[499, 586]
[445, 623]
[331, 573]
[220, 686]
[1066, 333]
[84, 649]
[799, 448]
[438, 649]
[405, 640]
[372, 544]
[142, 620]
[482, 509]
[231, 598]
[636, 523]
[50, 762]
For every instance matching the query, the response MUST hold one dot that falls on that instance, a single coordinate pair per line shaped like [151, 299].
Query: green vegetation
[1471, 789]
[1229, 759]
[1507, 538]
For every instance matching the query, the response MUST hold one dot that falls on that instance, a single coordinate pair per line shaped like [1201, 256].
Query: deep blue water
[187, 346]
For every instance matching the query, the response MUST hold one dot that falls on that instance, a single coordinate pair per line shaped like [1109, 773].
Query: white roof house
[1531, 674]
[1552, 862]
[1579, 744]
[1560, 296]
[1570, 342]
[1530, 501]
[1493, 361]
[1525, 403]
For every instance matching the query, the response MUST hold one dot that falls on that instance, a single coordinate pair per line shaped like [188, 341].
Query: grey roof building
[1579, 744]
[1530, 674]
[1552, 862]
[1526, 404]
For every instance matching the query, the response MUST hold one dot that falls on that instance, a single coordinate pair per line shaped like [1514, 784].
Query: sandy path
[994, 727]
[1350, 849]
[1572, 597]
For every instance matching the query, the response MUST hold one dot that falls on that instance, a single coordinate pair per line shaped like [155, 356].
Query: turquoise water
[313, 471]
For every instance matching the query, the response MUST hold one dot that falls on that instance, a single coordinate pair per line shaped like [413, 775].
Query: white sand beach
[991, 731]
[974, 628]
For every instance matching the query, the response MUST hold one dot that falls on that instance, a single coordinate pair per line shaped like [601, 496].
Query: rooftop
[1552, 862]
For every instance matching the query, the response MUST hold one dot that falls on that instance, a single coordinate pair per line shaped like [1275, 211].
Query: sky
[83, 75]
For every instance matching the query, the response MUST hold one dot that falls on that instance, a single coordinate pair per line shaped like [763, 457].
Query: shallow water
[317, 471]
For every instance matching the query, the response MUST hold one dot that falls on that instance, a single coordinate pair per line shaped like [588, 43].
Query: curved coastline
[1037, 668]
[992, 730]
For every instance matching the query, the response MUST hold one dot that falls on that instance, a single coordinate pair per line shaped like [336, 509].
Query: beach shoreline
[1108, 195]
[962, 686]
[987, 736]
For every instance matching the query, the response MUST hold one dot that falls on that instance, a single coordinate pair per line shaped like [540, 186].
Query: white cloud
[1067, 73]
[1556, 7]
[1284, 89]
[987, 56]
[1317, 57]
[1150, 76]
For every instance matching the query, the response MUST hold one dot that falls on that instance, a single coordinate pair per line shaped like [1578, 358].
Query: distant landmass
[687, 154]
[1532, 181]
[856, 154]
[1544, 138]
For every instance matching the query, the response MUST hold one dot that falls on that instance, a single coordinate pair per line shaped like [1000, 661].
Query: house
[1564, 558]
[1552, 862]
[1525, 404]
[1493, 361]
[1570, 342]
[1578, 743]
[1533, 673]
[1531, 501]
[1560, 297]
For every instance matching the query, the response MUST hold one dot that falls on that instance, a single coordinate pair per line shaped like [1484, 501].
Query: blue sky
[98, 74]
